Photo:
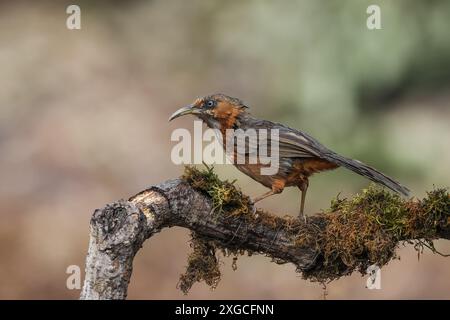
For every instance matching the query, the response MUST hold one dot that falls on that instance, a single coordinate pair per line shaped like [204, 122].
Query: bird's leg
[263, 196]
[303, 187]
[277, 187]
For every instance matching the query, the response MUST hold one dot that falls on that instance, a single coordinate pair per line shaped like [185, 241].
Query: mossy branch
[349, 236]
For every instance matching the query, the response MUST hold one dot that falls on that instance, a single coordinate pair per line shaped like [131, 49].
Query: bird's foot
[252, 206]
[302, 216]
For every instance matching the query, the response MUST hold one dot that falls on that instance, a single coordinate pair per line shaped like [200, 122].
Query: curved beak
[184, 111]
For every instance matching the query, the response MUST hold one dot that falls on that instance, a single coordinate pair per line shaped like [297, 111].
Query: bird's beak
[184, 111]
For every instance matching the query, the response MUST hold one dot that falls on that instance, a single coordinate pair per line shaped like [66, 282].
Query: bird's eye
[210, 103]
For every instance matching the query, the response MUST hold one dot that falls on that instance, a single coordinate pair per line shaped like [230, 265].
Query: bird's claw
[302, 217]
[251, 205]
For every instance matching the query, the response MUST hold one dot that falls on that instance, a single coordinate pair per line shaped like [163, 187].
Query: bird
[300, 155]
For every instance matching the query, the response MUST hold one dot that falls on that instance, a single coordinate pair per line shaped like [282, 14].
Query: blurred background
[83, 122]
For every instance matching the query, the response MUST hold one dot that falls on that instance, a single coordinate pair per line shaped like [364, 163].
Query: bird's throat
[227, 118]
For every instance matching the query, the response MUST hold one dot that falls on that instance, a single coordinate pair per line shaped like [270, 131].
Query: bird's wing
[294, 144]
[291, 143]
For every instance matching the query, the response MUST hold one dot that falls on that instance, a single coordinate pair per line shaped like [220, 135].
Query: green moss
[386, 208]
[367, 229]
[356, 235]
[226, 198]
[436, 209]
[203, 265]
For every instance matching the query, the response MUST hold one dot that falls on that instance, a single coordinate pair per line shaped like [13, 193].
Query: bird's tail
[368, 172]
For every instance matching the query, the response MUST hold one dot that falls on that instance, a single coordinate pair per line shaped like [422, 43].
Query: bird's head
[218, 111]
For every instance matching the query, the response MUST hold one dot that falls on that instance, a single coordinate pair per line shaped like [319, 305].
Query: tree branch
[119, 230]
